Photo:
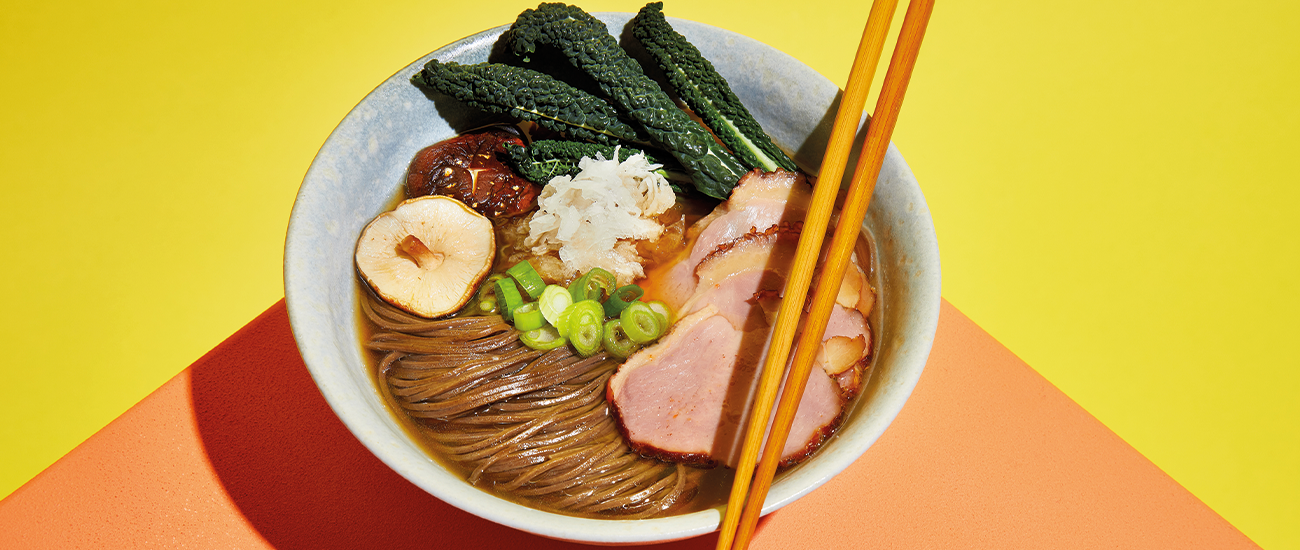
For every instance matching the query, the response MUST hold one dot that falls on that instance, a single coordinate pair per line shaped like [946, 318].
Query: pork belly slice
[735, 274]
[685, 398]
[744, 279]
[846, 349]
[734, 298]
[759, 201]
[845, 352]
[772, 249]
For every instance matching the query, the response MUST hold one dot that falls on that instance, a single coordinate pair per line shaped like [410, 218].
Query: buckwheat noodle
[527, 423]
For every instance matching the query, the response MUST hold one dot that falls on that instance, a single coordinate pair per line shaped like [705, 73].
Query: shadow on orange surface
[299, 476]
[241, 451]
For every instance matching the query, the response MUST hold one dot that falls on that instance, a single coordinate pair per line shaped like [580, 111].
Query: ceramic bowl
[360, 169]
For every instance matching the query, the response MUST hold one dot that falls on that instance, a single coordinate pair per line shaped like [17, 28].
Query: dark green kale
[586, 42]
[529, 95]
[546, 159]
[706, 92]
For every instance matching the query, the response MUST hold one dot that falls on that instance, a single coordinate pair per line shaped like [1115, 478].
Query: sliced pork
[684, 399]
[760, 201]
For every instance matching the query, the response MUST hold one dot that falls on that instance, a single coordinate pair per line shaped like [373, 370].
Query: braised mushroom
[467, 168]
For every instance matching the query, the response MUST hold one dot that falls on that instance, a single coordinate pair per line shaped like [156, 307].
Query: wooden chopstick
[834, 160]
[865, 174]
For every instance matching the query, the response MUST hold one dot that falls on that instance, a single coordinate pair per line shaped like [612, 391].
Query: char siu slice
[684, 398]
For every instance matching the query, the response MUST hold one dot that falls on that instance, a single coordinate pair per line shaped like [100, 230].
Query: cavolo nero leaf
[586, 42]
[706, 92]
[546, 159]
[530, 95]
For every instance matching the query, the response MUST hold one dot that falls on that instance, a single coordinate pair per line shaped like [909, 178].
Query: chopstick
[834, 160]
[738, 524]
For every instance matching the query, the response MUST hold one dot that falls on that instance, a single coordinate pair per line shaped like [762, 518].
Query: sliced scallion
[528, 317]
[640, 323]
[616, 341]
[663, 311]
[621, 298]
[596, 284]
[555, 299]
[528, 278]
[562, 321]
[508, 297]
[545, 338]
[586, 327]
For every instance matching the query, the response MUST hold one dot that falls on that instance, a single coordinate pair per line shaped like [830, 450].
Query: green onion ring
[528, 317]
[663, 311]
[586, 327]
[596, 284]
[621, 298]
[640, 323]
[528, 278]
[562, 321]
[555, 299]
[507, 297]
[616, 341]
[545, 338]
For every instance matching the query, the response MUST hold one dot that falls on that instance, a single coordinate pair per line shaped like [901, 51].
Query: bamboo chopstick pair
[745, 504]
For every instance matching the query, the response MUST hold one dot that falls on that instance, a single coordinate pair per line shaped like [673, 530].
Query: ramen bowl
[361, 168]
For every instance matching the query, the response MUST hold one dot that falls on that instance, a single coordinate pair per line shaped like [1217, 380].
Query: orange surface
[241, 451]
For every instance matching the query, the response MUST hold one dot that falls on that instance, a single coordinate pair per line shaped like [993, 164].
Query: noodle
[531, 424]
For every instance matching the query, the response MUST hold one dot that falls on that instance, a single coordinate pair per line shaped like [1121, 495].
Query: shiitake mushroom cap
[428, 255]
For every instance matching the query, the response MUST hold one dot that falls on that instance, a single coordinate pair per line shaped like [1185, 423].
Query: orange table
[241, 451]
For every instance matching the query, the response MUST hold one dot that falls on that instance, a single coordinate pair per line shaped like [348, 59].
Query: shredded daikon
[595, 218]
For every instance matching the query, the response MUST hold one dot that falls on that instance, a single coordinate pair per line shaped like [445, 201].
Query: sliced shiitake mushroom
[428, 255]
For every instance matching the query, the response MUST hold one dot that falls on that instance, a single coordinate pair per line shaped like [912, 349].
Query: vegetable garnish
[485, 301]
[528, 317]
[508, 297]
[562, 323]
[662, 311]
[616, 341]
[602, 216]
[596, 284]
[586, 327]
[641, 323]
[706, 92]
[555, 299]
[621, 325]
[427, 256]
[544, 338]
[621, 298]
[546, 159]
[587, 43]
[530, 95]
[527, 278]
[487, 305]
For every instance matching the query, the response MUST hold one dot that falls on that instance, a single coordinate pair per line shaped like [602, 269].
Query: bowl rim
[351, 411]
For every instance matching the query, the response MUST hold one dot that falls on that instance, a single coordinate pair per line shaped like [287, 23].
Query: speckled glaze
[362, 164]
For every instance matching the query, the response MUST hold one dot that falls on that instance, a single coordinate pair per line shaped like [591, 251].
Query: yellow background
[1114, 185]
